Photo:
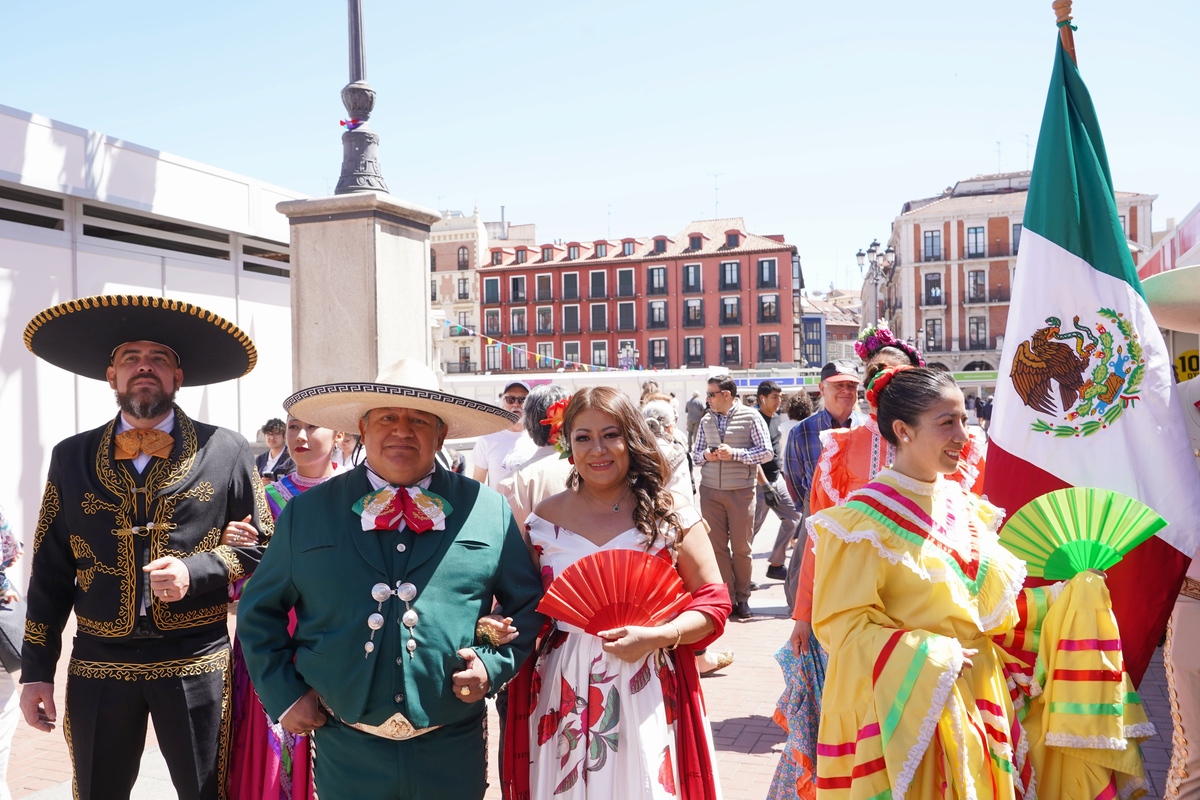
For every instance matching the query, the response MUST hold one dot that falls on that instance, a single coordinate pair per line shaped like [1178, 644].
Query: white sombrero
[406, 384]
[1174, 298]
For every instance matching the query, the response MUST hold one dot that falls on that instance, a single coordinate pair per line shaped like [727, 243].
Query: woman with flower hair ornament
[849, 459]
[947, 678]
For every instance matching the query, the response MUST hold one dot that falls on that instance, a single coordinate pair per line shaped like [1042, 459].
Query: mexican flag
[1085, 395]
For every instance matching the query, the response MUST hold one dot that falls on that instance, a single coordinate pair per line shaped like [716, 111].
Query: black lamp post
[880, 264]
[360, 145]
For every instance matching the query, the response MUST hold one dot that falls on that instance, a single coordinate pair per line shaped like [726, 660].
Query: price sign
[1187, 365]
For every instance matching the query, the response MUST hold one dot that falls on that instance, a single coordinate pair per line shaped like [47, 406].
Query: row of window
[977, 289]
[977, 337]
[657, 316]
[976, 244]
[626, 351]
[656, 282]
[600, 249]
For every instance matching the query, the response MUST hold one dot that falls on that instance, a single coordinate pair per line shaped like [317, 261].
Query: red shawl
[696, 769]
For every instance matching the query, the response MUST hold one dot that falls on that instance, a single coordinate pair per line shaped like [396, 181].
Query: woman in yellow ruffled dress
[911, 587]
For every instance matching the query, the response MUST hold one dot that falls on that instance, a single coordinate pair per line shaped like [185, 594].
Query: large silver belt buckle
[397, 727]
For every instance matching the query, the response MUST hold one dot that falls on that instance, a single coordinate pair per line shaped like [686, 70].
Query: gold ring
[465, 691]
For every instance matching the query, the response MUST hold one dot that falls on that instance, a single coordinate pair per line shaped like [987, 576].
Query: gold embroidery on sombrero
[104, 301]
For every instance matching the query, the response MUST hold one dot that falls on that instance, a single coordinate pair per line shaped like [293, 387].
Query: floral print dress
[600, 727]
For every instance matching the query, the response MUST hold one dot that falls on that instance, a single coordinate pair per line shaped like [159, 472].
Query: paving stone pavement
[741, 701]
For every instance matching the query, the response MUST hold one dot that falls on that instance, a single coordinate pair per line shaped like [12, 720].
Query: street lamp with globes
[879, 264]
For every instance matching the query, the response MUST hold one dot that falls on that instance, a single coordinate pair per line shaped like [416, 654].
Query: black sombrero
[406, 384]
[80, 336]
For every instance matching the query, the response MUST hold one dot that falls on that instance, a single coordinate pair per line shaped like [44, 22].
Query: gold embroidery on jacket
[265, 520]
[35, 632]
[84, 573]
[50, 508]
[233, 564]
[180, 667]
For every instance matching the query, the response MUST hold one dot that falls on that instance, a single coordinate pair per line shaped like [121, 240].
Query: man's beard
[144, 404]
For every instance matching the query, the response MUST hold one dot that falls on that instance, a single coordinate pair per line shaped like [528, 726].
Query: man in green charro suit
[388, 568]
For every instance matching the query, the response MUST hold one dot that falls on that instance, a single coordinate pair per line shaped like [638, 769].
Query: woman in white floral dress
[619, 715]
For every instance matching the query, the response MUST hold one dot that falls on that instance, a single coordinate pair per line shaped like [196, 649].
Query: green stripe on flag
[1071, 199]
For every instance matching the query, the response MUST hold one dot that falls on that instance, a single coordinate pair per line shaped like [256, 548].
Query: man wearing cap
[731, 442]
[839, 401]
[129, 538]
[487, 457]
[388, 568]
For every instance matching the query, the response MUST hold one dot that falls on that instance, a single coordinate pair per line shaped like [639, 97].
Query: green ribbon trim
[972, 586]
[906, 687]
[1067, 23]
[1112, 709]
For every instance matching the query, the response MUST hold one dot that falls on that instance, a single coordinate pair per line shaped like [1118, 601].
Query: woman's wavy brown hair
[653, 508]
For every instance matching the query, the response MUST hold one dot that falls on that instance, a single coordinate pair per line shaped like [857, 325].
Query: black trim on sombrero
[79, 335]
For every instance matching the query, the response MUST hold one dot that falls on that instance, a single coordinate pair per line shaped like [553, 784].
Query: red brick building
[713, 294]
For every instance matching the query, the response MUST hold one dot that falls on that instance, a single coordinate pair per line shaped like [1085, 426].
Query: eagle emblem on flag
[1097, 374]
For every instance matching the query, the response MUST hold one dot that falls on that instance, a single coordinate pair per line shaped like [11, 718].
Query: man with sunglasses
[487, 458]
[731, 441]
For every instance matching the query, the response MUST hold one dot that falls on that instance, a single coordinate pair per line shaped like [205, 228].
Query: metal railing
[460, 367]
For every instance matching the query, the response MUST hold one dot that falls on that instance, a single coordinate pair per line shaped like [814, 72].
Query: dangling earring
[571, 460]
[632, 479]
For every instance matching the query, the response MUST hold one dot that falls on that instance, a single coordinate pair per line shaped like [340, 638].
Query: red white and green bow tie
[420, 509]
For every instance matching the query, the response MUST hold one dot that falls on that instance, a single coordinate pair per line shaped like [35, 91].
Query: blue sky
[819, 120]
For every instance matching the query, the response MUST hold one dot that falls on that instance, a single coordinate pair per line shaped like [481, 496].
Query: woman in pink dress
[267, 762]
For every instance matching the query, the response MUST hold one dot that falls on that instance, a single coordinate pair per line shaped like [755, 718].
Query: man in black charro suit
[129, 537]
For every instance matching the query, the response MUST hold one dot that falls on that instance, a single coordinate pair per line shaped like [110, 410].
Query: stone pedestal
[360, 285]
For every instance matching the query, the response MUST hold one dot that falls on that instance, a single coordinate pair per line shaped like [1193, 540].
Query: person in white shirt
[487, 459]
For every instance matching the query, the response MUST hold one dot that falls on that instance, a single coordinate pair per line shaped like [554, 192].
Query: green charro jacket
[323, 564]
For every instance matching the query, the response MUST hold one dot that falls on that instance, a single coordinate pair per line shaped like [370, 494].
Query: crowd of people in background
[372, 685]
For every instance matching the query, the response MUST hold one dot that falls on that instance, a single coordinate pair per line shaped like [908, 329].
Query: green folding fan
[1063, 533]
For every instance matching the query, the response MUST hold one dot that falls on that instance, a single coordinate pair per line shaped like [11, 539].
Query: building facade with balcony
[713, 294]
[949, 289]
[458, 247]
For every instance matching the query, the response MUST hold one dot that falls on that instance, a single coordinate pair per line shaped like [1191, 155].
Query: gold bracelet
[678, 636]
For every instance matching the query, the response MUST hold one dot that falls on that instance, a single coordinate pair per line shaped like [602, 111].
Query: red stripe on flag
[1142, 601]
[884, 655]
[1112, 676]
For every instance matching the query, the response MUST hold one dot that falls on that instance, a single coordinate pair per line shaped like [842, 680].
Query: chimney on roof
[503, 227]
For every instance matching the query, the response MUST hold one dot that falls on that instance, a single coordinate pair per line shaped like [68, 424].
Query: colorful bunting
[538, 358]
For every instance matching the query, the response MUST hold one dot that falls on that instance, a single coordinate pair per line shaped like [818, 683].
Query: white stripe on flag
[1143, 452]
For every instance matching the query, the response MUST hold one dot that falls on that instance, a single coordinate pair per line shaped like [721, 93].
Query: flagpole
[1066, 31]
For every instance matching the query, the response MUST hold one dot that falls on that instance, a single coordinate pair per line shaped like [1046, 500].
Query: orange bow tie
[152, 442]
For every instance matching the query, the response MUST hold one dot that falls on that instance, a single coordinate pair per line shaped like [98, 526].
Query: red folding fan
[614, 588]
